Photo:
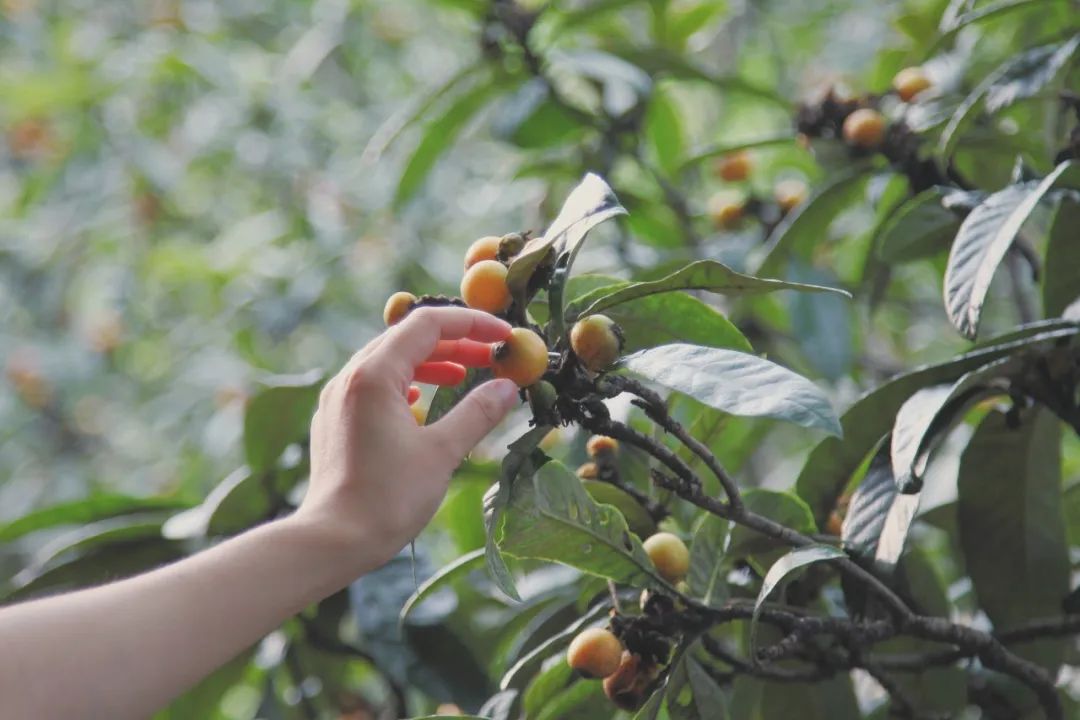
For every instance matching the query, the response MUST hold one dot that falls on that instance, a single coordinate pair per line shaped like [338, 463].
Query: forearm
[124, 650]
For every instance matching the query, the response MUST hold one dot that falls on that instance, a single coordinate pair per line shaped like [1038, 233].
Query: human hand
[377, 477]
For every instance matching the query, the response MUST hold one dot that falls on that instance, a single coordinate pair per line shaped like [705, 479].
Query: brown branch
[687, 485]
[655, 408]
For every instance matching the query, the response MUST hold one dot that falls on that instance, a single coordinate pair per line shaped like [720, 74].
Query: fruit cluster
[595, 341]
[630, 654]
[860, 123]
[728, 208]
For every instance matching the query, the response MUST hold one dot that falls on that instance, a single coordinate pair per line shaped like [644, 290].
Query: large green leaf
[663, 129]
[1021, 76]
[737, 383]
[93, 508]
[531, 118]
[707, 275]
[1010, 523]
[708, 570]
[878, 517]
[930, 412]
[103, 563]
[802, 229]
[984, 238]
[831, 464]
[674, 317]
[919, 228]
[1061, 285]
[551, 517]
[278, 415]
[519, 461]
[637, 517]
[589, 204]
[440, 134]
[446, 574]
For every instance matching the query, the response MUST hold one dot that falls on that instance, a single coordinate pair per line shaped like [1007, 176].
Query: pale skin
[124, 650]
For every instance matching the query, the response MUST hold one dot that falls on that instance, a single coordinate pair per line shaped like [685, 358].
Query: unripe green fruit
[597, 342]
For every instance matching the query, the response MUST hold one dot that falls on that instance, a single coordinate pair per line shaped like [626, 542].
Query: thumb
[475, 416]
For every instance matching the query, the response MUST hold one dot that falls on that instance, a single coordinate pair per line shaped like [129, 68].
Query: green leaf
[707, 275]
[709, 697]
[674, 317]
[663, 130]
[1010, 523]
[930, 412]
[781, 507]
[1061, 284]
[984, 238]
[802, 229]
[736, 383]
[583, 700]
[1021, 76]
[555, 676]
[878, 517]
[531, 119]
[707, 576]
[919, 228]
[440, 134]
[551, 517]
[278, 415]
[93, 508]
[519, 461]
[100, 564]
[831, 464]
[800, 557]
[589, 204]
[814, 319]
[637, 517]
[951, 23]
[446, 574]
[663, 63]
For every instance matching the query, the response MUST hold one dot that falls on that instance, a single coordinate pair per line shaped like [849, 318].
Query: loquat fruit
[735, 166]
[601, 445]
[909, 82]
[397, 307]
[864, 128]
[486, 248]
[522, 357]
[484, 287]
[597, 341]
[595, 653]
[789, 194]
[669, 554]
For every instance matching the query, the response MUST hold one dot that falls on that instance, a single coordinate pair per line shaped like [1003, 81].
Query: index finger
[414, 339]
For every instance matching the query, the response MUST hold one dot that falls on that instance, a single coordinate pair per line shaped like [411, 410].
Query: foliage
[200, 202]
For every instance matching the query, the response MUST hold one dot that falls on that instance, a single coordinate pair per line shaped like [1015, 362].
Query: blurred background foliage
[199, 198]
